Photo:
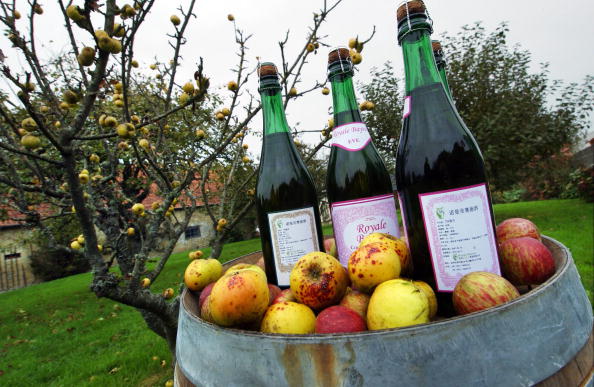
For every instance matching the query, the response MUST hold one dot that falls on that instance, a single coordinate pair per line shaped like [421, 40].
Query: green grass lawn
[58, 333]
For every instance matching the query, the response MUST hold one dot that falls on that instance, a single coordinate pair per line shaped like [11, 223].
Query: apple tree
[90, 135]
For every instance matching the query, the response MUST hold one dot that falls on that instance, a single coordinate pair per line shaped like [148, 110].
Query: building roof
[16, 218]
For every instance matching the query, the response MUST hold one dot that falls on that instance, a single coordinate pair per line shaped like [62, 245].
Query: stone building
[17, 242]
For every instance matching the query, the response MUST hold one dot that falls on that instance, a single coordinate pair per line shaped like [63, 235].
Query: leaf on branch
[2, 56]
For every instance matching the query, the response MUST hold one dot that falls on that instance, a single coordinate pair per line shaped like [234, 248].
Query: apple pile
[369, 294]
[524, 259]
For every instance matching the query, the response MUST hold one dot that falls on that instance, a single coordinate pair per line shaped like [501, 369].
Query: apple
[261, 264]
[241, 266]
[371, 264]
[526, 261]
[204, 294]
[273, 291]
[357, 301]
[398, 245]
[330, 247]
[284, 295]
[288, 318]
[318, 280]
[397, 303]
[239, 297]
[428, 290]
[482, 290]
[205, 310]
[339, 319]
[516, 228]
[201, 272]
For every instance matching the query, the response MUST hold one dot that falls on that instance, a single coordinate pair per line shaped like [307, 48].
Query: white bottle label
[352, 137]
[459, 234]
[353, 220]
[293, 234]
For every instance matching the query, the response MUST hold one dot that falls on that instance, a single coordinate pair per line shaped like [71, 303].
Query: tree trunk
[216, 248]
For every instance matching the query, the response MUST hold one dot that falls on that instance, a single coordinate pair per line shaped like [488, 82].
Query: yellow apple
[239, 297]
[397, 303]
[288, 318]
[175, 20]
[398, 245]
[242, 266]
[425, 288]
[201, 272]
[371, 264]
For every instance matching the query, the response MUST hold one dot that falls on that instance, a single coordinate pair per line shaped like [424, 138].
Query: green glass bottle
[441, 65]
[358, 184]
[286, 199]
[440, 175]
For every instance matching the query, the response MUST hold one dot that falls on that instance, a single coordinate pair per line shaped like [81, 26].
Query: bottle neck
[419, 65]
[346, 109]
[273, 110]
[444, 79]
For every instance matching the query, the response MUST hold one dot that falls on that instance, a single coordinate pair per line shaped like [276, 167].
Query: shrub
[52, 264]
[47, 262]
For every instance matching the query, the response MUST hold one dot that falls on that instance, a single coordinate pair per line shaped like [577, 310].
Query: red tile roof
[16, 218]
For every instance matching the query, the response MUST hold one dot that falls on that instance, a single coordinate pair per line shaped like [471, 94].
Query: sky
[554, 32]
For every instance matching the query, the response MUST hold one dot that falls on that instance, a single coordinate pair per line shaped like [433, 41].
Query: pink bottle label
[353, 220]
[459, 233]
[406, 108]
[352, 137]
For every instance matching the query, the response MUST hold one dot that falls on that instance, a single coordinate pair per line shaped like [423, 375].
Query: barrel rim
[413, 329]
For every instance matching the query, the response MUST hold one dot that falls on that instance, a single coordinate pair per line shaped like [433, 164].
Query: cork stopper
[436, 45]
[409, 8]
[267, 69]
[338, 54]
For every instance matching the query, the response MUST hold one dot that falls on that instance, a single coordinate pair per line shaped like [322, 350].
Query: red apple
[318, 280]
[205, 292]
[516, 228]
[526, 261]
[357, 301]
[285, 295]
[339, 319]
[330, 247]
[482, 290]
[273, 291]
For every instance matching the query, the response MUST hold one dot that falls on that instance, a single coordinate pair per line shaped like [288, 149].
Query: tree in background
[89, 136]
[516, 116]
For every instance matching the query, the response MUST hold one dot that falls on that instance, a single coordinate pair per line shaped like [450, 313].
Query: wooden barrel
[542, 336]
